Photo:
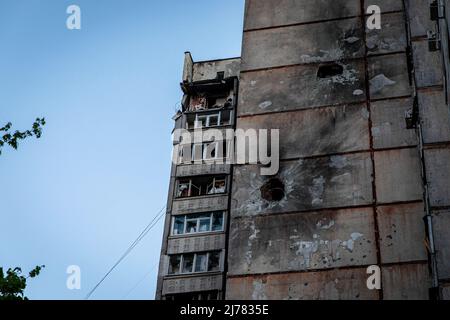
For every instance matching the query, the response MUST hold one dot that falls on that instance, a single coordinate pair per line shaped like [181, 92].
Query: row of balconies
[195, 255]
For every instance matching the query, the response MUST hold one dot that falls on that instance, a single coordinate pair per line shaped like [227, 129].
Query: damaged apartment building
[364, 170]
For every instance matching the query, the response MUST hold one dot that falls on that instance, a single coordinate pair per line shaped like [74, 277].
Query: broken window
[183, 188]
[214, 261]
[200, 186]
[198, 103]
[191, 225]
[198, 223]
[194, 262]
[330, 70]
[217, 221]
[174, 265]
[217, 186]
[208, 151]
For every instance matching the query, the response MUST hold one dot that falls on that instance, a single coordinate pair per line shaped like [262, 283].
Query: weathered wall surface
[435, 122]
[350, 168]
[338, 284]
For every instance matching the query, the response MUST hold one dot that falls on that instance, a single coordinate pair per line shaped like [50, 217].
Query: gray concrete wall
[350, 168]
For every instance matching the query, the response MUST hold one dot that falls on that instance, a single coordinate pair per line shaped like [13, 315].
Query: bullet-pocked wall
[350, 168]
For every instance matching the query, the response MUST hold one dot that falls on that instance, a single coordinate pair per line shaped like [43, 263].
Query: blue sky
[83, 192]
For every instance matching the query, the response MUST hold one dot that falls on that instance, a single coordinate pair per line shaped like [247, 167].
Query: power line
[144, 232]
[140, 281]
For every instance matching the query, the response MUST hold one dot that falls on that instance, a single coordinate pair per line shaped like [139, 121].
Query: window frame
[199, 218]
[203, 187]
[207, 120]
[194, 263]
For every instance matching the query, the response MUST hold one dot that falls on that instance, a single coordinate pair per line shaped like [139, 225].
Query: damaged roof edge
[208, 69]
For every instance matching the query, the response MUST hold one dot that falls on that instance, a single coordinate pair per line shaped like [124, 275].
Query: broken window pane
[200, 262]
[210, 151]
[195, 190]
[218, 186]
[217, 221]
[183, 189]
[191, 226]
[213, 120]
[214, 261]
[188, 263]
[174, 265]
[178, 225]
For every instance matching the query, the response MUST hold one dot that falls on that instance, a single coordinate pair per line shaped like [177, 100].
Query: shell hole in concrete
[330, 70]
[273, 190]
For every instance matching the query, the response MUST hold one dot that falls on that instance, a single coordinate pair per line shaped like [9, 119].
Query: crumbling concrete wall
[351, 170]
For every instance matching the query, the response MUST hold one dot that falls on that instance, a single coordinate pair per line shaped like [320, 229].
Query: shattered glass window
[214, 261]
[174, 265]
[217, 221]
[191, 225]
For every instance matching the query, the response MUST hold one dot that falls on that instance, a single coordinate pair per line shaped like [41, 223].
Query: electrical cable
[144, 232]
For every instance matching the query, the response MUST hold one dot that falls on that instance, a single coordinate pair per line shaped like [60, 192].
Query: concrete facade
[361, 185]
[350, 166]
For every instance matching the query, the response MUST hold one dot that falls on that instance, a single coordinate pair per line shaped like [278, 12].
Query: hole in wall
[273, 190]
[330, 70]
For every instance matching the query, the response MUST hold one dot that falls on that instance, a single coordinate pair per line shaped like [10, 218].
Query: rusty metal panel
[406, 282]
[192, 284]
[441, 224]
[390, 38]
[299, 87]
[320, 42]
[435, 116]
[389, 125]
[389, 76]
[427, 65]
[208, 70]
[202, 169]
[335, 130]
[398, 176]
[302, 241]
[309, 184]
[438, 170]
[327, 285]
[285, 12]
[402, 233]
[196, 244]
[198, 205]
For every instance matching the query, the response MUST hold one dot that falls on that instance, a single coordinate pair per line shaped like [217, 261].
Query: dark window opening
[330, 70]
[273, 190]
[201, 186]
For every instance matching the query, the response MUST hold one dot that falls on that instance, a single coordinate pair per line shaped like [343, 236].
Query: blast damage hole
[273, 190]
[330, 70]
